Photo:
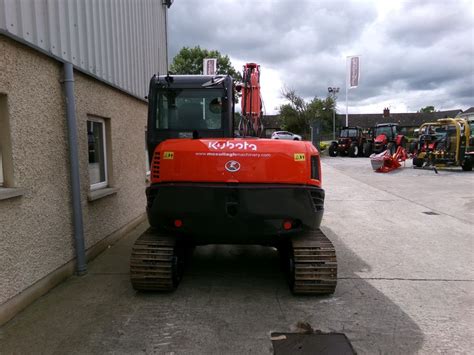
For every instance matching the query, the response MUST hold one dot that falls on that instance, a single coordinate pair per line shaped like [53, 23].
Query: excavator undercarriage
[157, 262]
[311, 264]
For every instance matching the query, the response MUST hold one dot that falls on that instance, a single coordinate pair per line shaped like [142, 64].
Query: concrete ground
[406, 282]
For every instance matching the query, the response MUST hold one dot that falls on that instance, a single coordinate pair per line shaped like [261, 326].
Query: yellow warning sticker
[168, 155]
[300, 157]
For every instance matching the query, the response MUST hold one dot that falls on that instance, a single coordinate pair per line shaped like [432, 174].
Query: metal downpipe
[81, 265]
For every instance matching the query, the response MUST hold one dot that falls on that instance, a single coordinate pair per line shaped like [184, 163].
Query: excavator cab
[189, 106]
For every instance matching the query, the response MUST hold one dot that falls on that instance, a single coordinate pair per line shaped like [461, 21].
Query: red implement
[384, 162]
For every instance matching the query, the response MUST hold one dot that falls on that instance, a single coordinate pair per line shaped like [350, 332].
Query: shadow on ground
[230, 300]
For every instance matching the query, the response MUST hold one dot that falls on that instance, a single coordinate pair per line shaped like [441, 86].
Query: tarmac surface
[406, 281]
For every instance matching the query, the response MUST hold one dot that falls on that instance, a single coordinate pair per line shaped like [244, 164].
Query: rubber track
[315, 264]
[151, 263]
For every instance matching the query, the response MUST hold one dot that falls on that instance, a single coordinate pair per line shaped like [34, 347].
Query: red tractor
[385, 136]
[209, 187]
[350, 142]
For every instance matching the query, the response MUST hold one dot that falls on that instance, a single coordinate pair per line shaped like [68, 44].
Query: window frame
[6, 160]
[2, 177]
[161, 110]
[105, 183]
[8, 188]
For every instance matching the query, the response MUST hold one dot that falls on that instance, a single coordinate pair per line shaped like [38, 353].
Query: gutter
[81, 264]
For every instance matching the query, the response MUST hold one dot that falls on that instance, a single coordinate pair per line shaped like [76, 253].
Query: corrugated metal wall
[122, 42]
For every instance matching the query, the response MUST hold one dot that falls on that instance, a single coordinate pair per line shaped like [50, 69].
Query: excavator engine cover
[235, 191]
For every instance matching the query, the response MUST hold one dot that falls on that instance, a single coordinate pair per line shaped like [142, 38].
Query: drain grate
[313, 343]
[431, 213]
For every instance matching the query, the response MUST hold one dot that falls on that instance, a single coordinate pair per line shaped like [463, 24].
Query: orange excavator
[209, 187]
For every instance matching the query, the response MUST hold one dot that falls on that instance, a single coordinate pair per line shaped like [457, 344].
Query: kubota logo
[232, 145]
[232, 166]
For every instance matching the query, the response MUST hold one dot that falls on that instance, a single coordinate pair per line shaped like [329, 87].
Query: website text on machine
[352, 78]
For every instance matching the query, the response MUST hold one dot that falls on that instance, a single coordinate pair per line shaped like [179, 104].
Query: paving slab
[406, 282]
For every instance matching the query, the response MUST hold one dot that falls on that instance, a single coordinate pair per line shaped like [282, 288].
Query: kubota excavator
[208, 187]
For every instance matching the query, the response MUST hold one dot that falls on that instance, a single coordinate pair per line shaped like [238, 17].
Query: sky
[413, 53]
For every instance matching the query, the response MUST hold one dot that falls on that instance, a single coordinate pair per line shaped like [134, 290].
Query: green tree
[190, 61]
[297, 115]
[427, 109]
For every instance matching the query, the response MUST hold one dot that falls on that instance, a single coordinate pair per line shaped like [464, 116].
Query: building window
[96, 139]
[6, 163]
[1, 169]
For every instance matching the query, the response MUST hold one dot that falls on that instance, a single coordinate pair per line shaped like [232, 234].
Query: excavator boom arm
[251, 123]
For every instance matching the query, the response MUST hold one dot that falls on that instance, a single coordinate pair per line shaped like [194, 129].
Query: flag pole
[347, 92]
[347, 107]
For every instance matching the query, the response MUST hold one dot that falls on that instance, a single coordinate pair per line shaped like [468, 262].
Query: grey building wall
[36, 227]
[121, 42]
[115, 47]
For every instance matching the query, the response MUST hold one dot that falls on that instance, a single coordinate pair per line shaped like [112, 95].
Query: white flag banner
[353, 72]
[210, 66]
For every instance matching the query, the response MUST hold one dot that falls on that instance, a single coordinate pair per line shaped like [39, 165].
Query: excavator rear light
[315, 167]
[178, 223]
[287, 224]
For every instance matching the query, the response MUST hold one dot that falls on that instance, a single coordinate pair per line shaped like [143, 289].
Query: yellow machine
[446, 142]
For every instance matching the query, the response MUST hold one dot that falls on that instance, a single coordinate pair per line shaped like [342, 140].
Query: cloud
[413, 53]
[420, 23]
[271, 32]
